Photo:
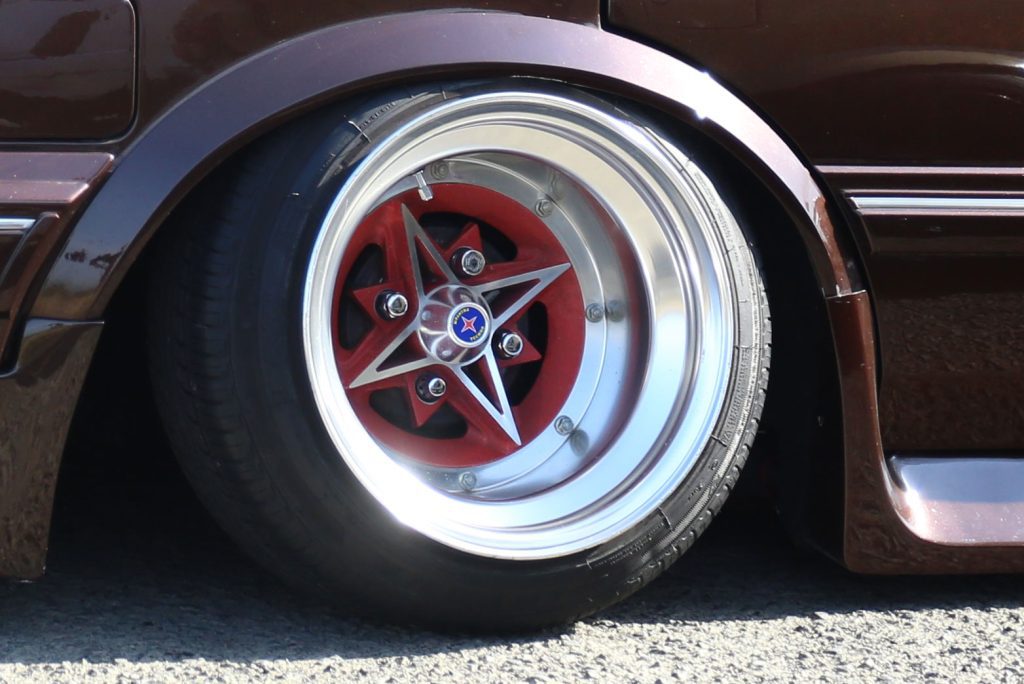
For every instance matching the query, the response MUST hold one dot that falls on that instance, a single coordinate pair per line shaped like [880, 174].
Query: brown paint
[949, 298]
[67, 69]
[873, 81]
[37, 400]
[877, 538]
[184, 42]
[48, 188]
[45, 180]
[230, 110]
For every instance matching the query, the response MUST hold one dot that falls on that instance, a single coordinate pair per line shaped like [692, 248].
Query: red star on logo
[469, 323]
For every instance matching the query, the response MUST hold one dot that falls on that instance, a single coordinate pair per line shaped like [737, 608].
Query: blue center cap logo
[468, 325]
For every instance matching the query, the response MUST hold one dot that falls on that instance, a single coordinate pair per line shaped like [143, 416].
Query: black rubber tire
[232, 387]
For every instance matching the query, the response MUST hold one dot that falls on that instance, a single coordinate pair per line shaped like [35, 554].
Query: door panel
[67, 69]
[878, 94]
[871, 81]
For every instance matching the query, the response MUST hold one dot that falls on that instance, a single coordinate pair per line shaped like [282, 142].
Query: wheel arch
[170, 158]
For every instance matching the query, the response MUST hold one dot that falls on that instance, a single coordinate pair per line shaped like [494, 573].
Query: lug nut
[391, 304]
[430, 388]
[510, 344]
[468, 262]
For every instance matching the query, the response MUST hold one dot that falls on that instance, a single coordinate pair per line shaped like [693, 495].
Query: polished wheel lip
[690, 309]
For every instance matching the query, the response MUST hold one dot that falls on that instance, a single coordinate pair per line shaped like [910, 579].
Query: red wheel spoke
[468, 238]
[421, 410]
[367, 298]
[403, 265]
[430, 341]
[419, 243]
[529, 354]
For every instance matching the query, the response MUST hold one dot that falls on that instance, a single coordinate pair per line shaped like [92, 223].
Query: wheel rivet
[468, 262]
[509, 344]
[544, 207]
[391, 304]
[467, 481]
[430, 388]
[564, 425]
[595, 312]
[439, 170]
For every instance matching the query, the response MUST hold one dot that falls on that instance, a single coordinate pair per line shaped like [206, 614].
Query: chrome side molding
[15, 225]
[934, 204]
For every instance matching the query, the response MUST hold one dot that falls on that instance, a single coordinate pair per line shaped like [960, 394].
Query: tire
[558, 472]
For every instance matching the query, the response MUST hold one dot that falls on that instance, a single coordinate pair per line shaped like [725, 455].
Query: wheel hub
[455, 325]
[466, 310]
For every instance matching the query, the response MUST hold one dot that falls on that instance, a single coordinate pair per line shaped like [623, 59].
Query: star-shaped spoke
[415, 235]
[510, 294]
[502, 413]
[541, 277]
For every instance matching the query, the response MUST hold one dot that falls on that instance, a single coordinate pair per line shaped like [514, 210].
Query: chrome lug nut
[430, 388]
[509, 344]
[391, 304]
[468, 262]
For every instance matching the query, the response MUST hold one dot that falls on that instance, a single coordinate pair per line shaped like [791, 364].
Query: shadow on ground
[138, 571]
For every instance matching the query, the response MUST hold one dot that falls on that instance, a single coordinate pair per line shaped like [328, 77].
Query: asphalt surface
[142, 587]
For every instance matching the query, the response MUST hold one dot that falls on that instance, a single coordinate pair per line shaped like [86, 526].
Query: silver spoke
[502, 414]
[373, 373]
[543, 276]
[414, 232]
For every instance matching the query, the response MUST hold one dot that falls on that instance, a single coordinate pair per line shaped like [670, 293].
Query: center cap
[468, 325]
[454, 325]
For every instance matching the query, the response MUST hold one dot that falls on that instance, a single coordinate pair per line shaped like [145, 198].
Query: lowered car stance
[472, 313]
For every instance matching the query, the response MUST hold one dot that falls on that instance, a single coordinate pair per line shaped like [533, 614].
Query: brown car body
[885, 131]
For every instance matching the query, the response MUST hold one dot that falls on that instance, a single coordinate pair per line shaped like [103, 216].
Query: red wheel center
[489, 345]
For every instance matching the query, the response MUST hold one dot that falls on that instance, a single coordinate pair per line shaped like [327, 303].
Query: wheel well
[797, 458]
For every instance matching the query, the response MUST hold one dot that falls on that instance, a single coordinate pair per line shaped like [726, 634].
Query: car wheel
[489, 355]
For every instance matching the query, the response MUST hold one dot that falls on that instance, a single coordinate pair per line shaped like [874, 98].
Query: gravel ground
[142, 587]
